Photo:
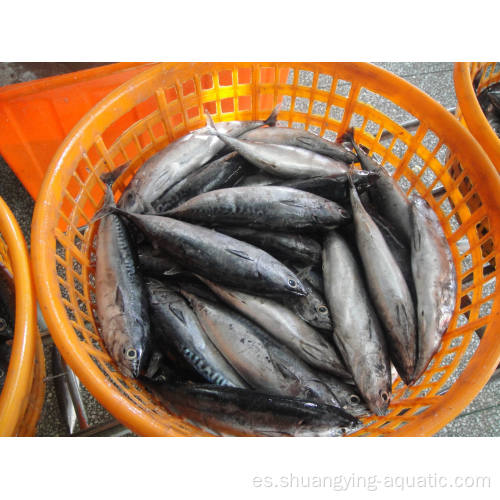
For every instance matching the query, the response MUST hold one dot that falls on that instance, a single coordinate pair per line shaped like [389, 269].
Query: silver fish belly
[176, 324]
[177, 160]
[261, 361]
[435, 281]
[286, 327]
[300, 139]
[357, 332]
[265, 207]
[388, 290]
[122, 307]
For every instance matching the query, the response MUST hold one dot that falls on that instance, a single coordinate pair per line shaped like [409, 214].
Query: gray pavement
[480, 418]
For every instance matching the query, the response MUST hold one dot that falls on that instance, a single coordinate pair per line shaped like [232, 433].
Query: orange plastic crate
[21, 399]
[36, 116]
[164, 103]
[469, 111]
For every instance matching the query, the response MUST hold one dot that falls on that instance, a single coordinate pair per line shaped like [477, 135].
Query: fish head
[327, 422]
[130, 360]
[133, 353]
[293, 285]
[313, 309]
[132, 202]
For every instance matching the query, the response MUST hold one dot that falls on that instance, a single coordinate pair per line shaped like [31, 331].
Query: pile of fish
[7, 317]
[257, 282]
[489, 100]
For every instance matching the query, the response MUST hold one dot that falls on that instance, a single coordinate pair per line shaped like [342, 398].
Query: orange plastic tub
[161, 104]
[469, 111]
[23, 393]
[36, 116]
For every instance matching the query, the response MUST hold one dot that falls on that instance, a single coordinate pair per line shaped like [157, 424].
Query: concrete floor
[480, 418]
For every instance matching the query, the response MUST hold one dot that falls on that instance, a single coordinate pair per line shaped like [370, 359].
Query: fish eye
[292, 283]
[384, 395]
[130, 353]
[322, 309]
[3, 324]
[343, 430]
[353, 398]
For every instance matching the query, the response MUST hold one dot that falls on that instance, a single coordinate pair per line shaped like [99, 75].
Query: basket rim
[19, 380]
[386, 84]
[473, 114]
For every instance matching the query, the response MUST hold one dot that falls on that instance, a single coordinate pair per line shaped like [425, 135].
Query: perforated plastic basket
[468, 109]
[21, 399]
[161, 104]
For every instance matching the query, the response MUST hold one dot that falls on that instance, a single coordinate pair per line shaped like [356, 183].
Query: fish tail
[109, 178]
[273, 117]
[212, 129]
[108, 206]
[347, 136]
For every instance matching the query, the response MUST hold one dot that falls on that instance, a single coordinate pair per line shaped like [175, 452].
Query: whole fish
[174, 323]
[264, 207]
[388, 290]
[261, 361]
[284, 246]
[387, 196]
[357, 333]
[245, 412]
[300, 139]
[286, 327]
[283, 161]
[122, 306]
[181, 157]
[220, 173]
[435, 281]
[333, 188]
[215, 255]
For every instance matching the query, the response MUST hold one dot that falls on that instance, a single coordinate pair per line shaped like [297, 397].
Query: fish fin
[312, 351]
[291, 203]
[305, 140]
[178, 314]
[347, 136]
[273, 117]
[212, 129]
[239, 253]
[119, 299]
[108, 205]
[109, 178]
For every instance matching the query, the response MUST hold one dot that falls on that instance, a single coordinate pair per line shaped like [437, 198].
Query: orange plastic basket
[23, 393]
[36, 116]
[164, 103]
[469, 111]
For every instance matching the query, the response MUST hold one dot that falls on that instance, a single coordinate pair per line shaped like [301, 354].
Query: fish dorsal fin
[178, 314]
[239, 253]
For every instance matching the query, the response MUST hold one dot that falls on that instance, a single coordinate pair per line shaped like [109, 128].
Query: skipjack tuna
[258, 282]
